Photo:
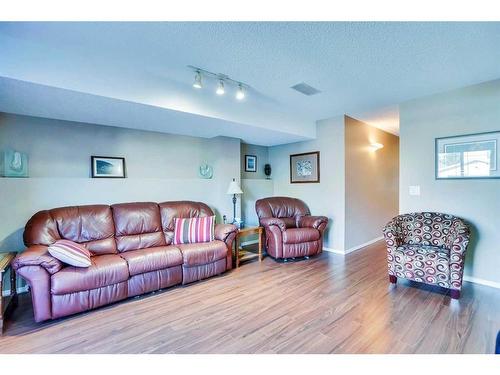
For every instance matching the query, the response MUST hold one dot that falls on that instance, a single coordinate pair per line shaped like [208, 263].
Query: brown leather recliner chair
[290, 229]
[132, 254]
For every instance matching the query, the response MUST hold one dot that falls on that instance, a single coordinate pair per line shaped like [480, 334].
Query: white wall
[468, 110]
[160, 167]
[324, 198]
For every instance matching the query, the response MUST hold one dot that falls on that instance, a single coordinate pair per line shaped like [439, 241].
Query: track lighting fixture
[240, 94]
[197, 80]
[221, 79]
[220, 88]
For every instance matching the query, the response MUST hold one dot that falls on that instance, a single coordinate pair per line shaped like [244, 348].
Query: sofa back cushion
[137, 226]
[91, 226]
[285, 208]
[180, 209]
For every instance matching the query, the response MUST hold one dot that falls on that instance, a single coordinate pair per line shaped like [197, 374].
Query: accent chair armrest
[270, 221]
[317, 222]
[37, 255]
[458, 237]
[392, 234]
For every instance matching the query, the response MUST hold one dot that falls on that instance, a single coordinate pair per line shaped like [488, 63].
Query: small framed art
[304, 168]
[107, 167]
[250, 163]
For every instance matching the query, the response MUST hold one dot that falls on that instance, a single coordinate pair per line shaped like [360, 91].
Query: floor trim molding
[476, 280]
[355, 248]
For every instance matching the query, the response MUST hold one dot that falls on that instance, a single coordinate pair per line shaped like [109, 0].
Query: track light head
[220, 88]
[197, 80]
[240, 94]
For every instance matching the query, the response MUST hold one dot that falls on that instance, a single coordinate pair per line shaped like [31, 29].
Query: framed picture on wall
[107, 167]
[468, 156]
[304, 168]
[250, 163]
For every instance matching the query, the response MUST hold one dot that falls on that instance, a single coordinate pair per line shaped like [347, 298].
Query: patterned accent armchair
[427, 247]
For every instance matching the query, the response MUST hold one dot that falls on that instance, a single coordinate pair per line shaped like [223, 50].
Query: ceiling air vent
[305, 89]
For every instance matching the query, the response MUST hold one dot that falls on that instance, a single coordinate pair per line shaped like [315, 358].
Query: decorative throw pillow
[71, 253]
[194, 229]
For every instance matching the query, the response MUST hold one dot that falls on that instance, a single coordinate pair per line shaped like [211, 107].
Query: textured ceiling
[361, 69]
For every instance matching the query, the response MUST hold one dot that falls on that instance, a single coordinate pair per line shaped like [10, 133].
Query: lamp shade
[234, 188]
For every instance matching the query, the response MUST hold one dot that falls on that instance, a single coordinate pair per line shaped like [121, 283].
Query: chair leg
[455, 294]
[393, 279]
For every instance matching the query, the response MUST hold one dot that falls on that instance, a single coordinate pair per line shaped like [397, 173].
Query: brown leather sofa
[132, 250]
[290, 229]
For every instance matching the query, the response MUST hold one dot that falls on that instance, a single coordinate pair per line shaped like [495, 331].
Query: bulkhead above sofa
[132, 253]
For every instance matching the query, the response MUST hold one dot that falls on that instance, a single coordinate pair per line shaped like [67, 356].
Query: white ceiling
[135, 75]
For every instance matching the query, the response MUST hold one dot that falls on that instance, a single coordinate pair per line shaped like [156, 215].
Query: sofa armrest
[269, 221]
[392, 235]
[37, 255]
[224, 231]
[316, 222]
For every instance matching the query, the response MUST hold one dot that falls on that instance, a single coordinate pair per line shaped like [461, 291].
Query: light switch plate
[414, 190]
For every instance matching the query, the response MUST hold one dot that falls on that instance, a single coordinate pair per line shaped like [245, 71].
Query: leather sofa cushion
[137, 226]
[180, 209]
[104, 270]
[196, 254]
[91, 226]
[298, 235]
[152, 259]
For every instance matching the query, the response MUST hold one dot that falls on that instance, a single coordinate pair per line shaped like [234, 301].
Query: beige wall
[371, 182]
[467, 110]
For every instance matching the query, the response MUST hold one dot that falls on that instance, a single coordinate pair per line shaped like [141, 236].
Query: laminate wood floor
[327, 304]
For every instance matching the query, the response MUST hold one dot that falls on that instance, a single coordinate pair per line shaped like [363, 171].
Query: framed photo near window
[107, 167]
[304, 168]
[468, 156]
[250, 163]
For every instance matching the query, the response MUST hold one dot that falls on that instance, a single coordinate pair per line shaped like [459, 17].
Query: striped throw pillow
[71, 253]
[193, 230]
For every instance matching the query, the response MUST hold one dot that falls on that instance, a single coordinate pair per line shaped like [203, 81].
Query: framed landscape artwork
[468, 156]
[304, 168]
[107, 167]
[250, 163]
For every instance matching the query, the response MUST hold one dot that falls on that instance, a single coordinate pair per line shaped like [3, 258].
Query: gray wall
[467, 110]
[254, 184]
[160, 167]
[262, 153]
[372, 182]
[324, 198]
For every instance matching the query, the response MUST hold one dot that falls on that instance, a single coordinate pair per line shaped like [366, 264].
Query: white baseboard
[24, 289]
[335, 251]
[484, 282]
[246, 243]
[350, 250]
[359, 247]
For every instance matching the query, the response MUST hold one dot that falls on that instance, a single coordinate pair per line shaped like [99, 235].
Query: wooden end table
[242, 255]
[9, 302]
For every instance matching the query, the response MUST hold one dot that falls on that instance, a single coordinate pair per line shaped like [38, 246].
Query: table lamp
[234, 189]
